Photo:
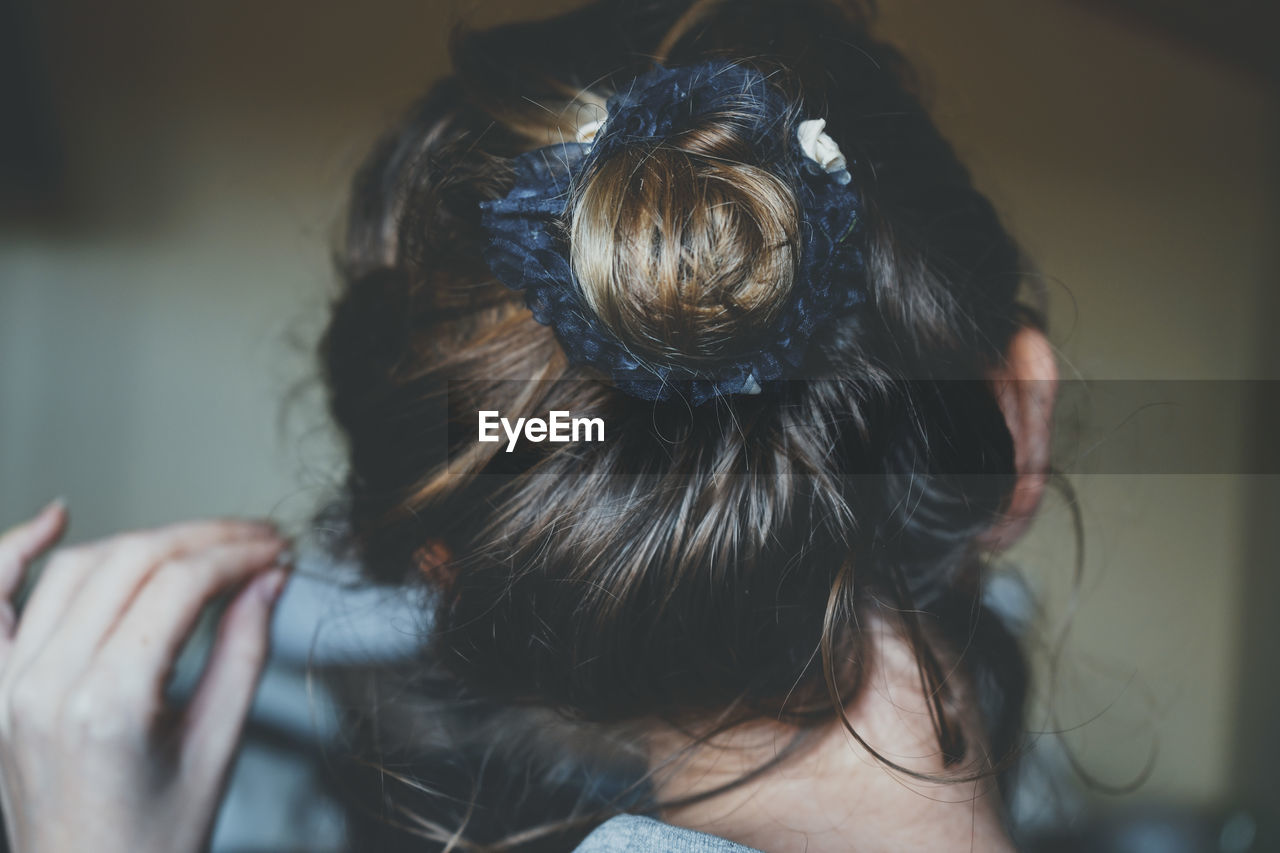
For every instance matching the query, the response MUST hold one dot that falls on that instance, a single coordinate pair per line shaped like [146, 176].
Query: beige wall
[1140, 176]
[145, 337]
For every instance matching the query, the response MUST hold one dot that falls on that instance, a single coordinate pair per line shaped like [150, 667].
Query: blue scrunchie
[527, 251]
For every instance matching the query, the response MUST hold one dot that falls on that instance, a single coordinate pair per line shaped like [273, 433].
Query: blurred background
[171, 183]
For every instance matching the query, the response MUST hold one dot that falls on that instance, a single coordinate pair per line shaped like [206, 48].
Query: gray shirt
[636, 834]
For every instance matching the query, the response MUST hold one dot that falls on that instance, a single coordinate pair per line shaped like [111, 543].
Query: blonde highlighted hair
[702, 564]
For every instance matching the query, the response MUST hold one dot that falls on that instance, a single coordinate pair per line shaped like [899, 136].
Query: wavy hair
[709, 563]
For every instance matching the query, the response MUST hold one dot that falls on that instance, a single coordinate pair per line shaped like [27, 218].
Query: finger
[18, 547]
[57, 584]
[216, 714]
[158, 622]
[22, 544]
[82, 596]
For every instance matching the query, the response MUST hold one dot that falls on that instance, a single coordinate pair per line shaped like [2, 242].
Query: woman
[752, 615]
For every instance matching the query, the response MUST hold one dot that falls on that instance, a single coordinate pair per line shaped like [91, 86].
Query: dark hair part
[701, 563]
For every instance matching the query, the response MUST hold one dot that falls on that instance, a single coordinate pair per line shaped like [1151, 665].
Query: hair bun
[685, 252]
[693, 245]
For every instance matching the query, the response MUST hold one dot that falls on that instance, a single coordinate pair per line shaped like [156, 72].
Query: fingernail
[58, 503]
[269, 584]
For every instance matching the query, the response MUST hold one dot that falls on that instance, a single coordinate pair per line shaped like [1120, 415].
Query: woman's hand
[90, 757]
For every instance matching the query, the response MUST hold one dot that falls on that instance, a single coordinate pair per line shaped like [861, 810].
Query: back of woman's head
[704, 560]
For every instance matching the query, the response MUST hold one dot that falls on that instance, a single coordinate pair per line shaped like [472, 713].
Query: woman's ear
[1026, 386]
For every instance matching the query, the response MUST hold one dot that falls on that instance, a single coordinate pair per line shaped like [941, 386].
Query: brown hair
[709, 562]
[683, 247]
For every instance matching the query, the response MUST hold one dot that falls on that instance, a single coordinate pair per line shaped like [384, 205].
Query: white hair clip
[822, 149]
[816, 144]
[587, 132]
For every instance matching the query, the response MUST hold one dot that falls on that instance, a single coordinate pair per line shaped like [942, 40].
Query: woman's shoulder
[634, 833]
